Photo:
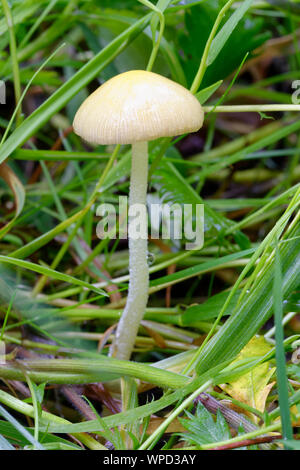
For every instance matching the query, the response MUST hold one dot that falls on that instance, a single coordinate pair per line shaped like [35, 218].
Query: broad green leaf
[204, 95]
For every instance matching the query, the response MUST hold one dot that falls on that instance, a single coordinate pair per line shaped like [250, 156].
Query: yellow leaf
[253, 387]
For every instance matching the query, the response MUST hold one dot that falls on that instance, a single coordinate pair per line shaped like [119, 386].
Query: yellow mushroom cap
[137, 106]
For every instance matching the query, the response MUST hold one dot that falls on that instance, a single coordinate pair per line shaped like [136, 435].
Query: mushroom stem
[138, 250]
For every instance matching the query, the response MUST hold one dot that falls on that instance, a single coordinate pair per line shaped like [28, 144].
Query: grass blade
[287, 430]
[49, 272]
[254, 310]
[225, 32]
[20, 428]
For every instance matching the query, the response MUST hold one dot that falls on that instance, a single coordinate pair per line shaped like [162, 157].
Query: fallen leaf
[253, 387]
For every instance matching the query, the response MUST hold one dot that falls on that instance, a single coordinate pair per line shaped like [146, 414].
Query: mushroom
[133, 108]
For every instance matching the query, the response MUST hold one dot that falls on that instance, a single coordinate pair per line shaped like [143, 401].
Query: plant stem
[203, 64]
[138, 265]
[245, 108]
[156, 44]
[248, 442]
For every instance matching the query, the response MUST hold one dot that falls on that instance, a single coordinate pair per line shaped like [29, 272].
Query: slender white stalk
[246, 108]
[138, 265]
